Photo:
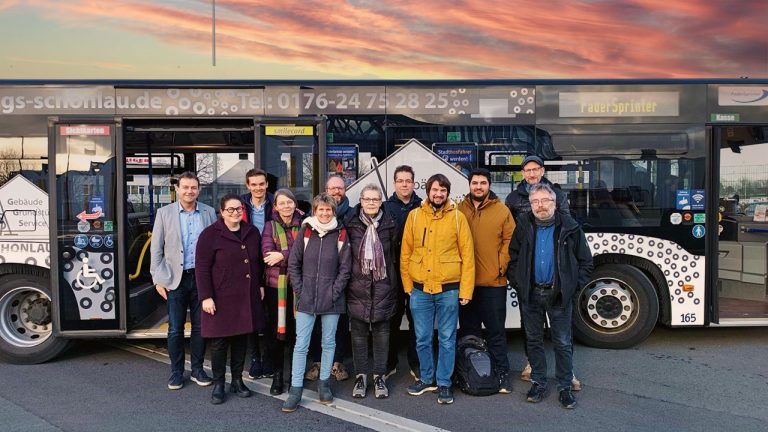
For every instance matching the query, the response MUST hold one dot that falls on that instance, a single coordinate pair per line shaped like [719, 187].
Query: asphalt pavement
[681, 379]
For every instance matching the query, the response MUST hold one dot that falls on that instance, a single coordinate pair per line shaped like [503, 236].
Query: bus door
[86, 271]
[742, 241]
[293, 152]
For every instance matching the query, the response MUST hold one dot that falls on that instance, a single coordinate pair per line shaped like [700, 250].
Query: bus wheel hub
[609, 304]
[39, 312]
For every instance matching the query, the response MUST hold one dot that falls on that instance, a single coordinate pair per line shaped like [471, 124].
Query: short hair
[337, 176]
[188, 175]
[441, 180]
[286, 193]
[227, 197]
[372, 187]
[404, 168]
[479, 172]
[326, 199]
[255, 172]
[539, 187]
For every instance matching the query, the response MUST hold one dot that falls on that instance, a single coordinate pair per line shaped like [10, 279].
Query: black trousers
[398, 339]
[380, 337]
[275, 347]
[489, 308]
[237, 346]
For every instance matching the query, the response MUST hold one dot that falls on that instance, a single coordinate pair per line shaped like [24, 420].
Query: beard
[478, 198]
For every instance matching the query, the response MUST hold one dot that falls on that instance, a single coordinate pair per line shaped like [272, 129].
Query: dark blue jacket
[573, 259]
[246, 200]
[399, 210]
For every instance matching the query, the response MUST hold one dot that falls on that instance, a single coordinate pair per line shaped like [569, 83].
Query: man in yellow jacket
[437, 265]
[492, 225]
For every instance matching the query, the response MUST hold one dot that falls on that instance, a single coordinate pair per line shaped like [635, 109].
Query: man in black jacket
[549, 261]
[402, 201]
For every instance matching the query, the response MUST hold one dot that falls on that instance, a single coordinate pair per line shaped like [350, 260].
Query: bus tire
[26, 320]
[617, 309]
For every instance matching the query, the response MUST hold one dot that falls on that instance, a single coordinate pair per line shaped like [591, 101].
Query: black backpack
[474, 372]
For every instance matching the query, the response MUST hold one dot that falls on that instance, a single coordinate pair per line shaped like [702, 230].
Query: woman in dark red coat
[228, 270]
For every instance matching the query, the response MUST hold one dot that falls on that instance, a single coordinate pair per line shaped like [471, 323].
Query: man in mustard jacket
[492, 225]
[437, 265]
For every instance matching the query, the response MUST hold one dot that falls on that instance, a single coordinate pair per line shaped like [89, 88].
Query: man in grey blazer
[174, 238]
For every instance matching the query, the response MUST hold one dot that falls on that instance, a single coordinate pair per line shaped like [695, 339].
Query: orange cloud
[459, 39]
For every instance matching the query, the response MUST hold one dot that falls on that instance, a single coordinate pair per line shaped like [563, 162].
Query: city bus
[668, 178]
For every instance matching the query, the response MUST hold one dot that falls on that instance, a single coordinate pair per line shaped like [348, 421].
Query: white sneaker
[361, 385]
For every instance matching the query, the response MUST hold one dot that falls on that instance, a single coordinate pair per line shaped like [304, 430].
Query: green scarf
[281, 238]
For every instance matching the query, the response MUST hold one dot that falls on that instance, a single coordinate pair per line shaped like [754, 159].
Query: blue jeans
[304, 324]
[535, 312]
[426, 309]
[179, 300]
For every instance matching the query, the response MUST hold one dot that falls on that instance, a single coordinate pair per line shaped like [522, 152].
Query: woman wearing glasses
[318, 269]
[228, 270]
[279, 235]
[372, 290]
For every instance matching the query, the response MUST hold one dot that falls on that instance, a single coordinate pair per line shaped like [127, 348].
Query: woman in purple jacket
[279, 235]
[228, 269]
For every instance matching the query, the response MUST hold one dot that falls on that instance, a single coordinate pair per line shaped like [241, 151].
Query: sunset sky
[371, 39]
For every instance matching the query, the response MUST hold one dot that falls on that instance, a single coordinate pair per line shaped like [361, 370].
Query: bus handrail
[136, 240]
[141, 257]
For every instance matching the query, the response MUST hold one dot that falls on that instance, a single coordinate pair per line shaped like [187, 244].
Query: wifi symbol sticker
[698, 197]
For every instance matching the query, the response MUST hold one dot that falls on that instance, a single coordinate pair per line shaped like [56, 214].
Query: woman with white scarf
[318, 270]
[372, 289]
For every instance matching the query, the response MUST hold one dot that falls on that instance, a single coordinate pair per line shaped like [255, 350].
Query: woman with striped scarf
[276, 242]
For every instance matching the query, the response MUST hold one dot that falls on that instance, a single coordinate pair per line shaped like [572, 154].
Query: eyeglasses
[403, 181]
[335, 188]
[370, 200]
[532, 170]
[543, 201]
[232, 210]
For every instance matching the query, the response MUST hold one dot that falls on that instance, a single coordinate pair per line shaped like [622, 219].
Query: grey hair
[372, 187]
[326, 199]
[539, 187]
[286, 193]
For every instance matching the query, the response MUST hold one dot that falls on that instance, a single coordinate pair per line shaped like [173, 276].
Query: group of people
[264, 267]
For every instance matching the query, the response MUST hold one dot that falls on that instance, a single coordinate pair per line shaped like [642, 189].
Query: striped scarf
[371, 254]
[281, 238]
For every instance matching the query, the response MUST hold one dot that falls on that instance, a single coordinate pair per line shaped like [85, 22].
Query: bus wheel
[618, 308]
[26, 328]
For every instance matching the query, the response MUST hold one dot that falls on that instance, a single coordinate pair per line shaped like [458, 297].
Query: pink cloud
[460, 39]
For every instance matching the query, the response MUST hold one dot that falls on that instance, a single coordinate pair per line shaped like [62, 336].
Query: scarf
[545, 223]
[371, 253]
[321, 228]
[281, 238]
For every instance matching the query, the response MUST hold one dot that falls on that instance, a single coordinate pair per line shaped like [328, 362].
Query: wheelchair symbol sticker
[109, 241]
[81, 241]
[88, 272]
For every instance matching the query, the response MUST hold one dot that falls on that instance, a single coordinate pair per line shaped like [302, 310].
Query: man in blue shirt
[174, 239]
[258, 211]
[549, 261]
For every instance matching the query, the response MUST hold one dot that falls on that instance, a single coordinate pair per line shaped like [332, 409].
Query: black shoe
[537, 393]
[277, 386]
[566, 399]
[505, 383]
[445, 395]
[201, 378]
[255, 371]
[176, 381]
[420, 387]
[218, 396]
[238, 387]
[267, 371]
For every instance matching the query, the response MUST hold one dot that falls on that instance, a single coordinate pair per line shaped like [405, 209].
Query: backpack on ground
[474, 372]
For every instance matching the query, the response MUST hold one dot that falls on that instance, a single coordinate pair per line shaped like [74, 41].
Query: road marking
[340, 409]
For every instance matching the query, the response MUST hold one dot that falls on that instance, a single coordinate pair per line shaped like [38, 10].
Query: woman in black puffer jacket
[372, 289]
